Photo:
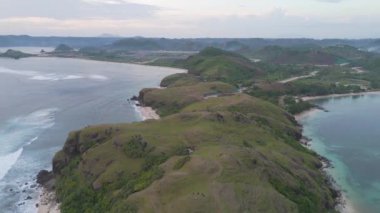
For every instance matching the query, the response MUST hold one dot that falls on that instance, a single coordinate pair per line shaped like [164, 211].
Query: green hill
[285, 55]
[227, 154]
[214, 64]
[136, 44]
[180, 79]
[171, 100]
[213, 150]
[63, 48]
[346, 52]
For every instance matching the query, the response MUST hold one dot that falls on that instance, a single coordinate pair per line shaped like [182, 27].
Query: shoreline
[47, 201]
[98, 60]
[344, 205]
[311, 98]
[146, 113]
[105, 60]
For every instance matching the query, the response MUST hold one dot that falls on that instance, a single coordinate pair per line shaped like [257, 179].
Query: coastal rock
[143, 92]
[71, 146]
[44, 176]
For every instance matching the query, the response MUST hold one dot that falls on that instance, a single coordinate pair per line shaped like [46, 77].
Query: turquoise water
[349, 135]
[43, 99]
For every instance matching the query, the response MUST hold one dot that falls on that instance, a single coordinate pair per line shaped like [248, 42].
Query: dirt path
[312, 74]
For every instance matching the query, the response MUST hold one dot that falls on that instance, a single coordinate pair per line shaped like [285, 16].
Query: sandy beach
[47, 202]
[306, 113]
[310, 98]
[147, 113]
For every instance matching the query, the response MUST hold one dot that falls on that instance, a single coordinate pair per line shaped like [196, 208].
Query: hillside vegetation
[214, 64]
[180, 79]
[171, 100]
[214, 150]
[286, 55]
[227, 154]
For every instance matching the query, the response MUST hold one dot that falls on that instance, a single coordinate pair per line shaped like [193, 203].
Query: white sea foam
[39, 76]
[98, 77]
[48, 77]
[72, 77]
[55, 77]
[17, 72]
[31, 141]
[41, 119]
[138, 110]
[8, 161]
[20, 132]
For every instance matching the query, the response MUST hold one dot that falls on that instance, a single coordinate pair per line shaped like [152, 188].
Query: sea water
[43, 99]
[349, 135]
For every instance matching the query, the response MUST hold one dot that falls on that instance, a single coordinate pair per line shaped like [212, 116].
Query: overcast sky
[193, 18]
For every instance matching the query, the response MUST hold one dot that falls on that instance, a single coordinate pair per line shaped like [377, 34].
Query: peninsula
[220, 137]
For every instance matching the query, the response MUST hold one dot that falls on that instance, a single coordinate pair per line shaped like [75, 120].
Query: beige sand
[310, 98]
[47, 202]
[148, 113]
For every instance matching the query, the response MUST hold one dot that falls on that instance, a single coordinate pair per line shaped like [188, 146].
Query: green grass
[173, 99]
[217, 65]
[293, 55]
[222, 173]
[212, 151]
[180, 79]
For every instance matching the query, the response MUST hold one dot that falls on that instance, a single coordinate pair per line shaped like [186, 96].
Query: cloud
[196, 18]
[274, 24]
[331, 1]
[85, 27]
[71, 9]
[105, 2]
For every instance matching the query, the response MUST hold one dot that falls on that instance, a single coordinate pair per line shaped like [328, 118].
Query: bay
[349, 135]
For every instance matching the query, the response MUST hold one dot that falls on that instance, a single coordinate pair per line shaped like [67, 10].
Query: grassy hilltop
[214, 150]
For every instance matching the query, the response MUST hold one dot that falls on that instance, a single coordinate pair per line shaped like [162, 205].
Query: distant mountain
[136, 44]
[193, 44]
[239, 45]
[77, 42]
[282, 55]
[63, 48]
[309, 55]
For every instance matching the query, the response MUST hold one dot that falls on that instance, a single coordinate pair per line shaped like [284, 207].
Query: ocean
[43, 99]
[349, 135]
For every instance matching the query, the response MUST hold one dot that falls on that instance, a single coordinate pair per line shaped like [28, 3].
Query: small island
[15, 54]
